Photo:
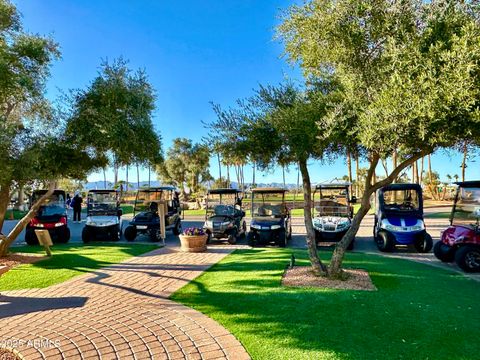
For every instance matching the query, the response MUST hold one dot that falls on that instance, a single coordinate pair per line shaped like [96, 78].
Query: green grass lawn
[418, 312]
[439, 215]
[17, 214]
[67, 261]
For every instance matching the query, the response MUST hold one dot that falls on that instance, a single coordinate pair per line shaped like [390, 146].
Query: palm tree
[455, 177]
[449, 178]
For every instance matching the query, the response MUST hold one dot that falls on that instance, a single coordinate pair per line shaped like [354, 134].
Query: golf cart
[145, 213]
[332, 212]
[399, 218]
[51, 216]
[103, 216]
[224, 217]
[461, 240]
[271, 220]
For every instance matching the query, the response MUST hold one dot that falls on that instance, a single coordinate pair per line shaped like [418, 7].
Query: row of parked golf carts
[398, 218]
[104, 215]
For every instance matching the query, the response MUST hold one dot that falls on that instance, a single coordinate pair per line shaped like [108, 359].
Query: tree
[278, 126]
[408, 71]
[186, 165]
[114, 115]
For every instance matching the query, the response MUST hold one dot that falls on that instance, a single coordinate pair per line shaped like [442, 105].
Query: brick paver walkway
[119, 312]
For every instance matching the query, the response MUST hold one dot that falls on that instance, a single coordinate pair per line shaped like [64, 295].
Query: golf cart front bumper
[267, 236]
[406, 237]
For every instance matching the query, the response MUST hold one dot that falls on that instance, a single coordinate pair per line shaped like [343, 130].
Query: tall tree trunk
[421, 169]
[464, 160]
[357, 175]
[394, 162]
[228, 175]
[430, 178]
[283, 173]
[149, 167]
[349, 167]
[318, 267]
[4, 201]
[7, 241]
[417, 178]
[253, 177]
[21, 197]
[104, 179]
[138, 178]
[126, 184]
[219, 167]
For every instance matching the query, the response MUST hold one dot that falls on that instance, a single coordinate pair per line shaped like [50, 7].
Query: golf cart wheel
[130, 233]
[468, 258]
[154, 234]
[63, 235]
[209, 237]
[318, 237]
[444, 252]
[282, 238]
[251, 238]
[87, 235]
[178, 228]
[424, 243]
[351, 246]
[114, 234]
[231, 239]
[31, 237]
[385, 241]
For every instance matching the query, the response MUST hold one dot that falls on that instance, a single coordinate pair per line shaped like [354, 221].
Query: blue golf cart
[399, 218]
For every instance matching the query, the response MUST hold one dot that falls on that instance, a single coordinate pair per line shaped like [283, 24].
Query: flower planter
[193, 243]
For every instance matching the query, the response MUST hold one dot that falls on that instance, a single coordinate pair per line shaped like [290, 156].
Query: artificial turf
[68, 260]
[418, 311]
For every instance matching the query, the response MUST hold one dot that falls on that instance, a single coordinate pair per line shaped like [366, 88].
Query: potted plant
[193, 240]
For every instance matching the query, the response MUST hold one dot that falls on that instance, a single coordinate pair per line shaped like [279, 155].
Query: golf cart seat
[223, 210]
[153, 207]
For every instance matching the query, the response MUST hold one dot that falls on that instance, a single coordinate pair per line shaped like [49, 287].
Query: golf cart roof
[468, 184]
[102, 191]
[44, 191]
[158, 188]
[333, 186]
[269, 190]
[416, 187]
[223, 191]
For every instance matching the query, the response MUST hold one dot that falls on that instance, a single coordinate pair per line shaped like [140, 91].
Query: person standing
[77, 207]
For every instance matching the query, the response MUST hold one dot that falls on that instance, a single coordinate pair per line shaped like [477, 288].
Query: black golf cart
[399, 218]
[103, 216]
[51, 216]
[224, 217]
[271, 220]
[332, 212]
[145, 213]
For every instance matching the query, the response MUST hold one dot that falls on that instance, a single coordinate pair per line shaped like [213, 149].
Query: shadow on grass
[244, 294]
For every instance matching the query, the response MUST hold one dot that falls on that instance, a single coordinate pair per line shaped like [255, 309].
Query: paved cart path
[119, 312]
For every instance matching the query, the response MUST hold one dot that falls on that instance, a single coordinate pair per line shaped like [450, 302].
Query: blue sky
[194, 52]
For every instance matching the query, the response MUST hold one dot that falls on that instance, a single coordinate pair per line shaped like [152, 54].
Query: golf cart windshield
[222, 205]
[401, 200]
[331, 202]
[145, 199]
[55, 204]
[268, 204]
[466, 211]
[102, 203]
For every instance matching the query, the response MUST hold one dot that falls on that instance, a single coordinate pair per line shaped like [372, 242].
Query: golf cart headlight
[227, 223]
[275, 227]
[255, 226]
[90, 222]
[342, 224]
[317, 223]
